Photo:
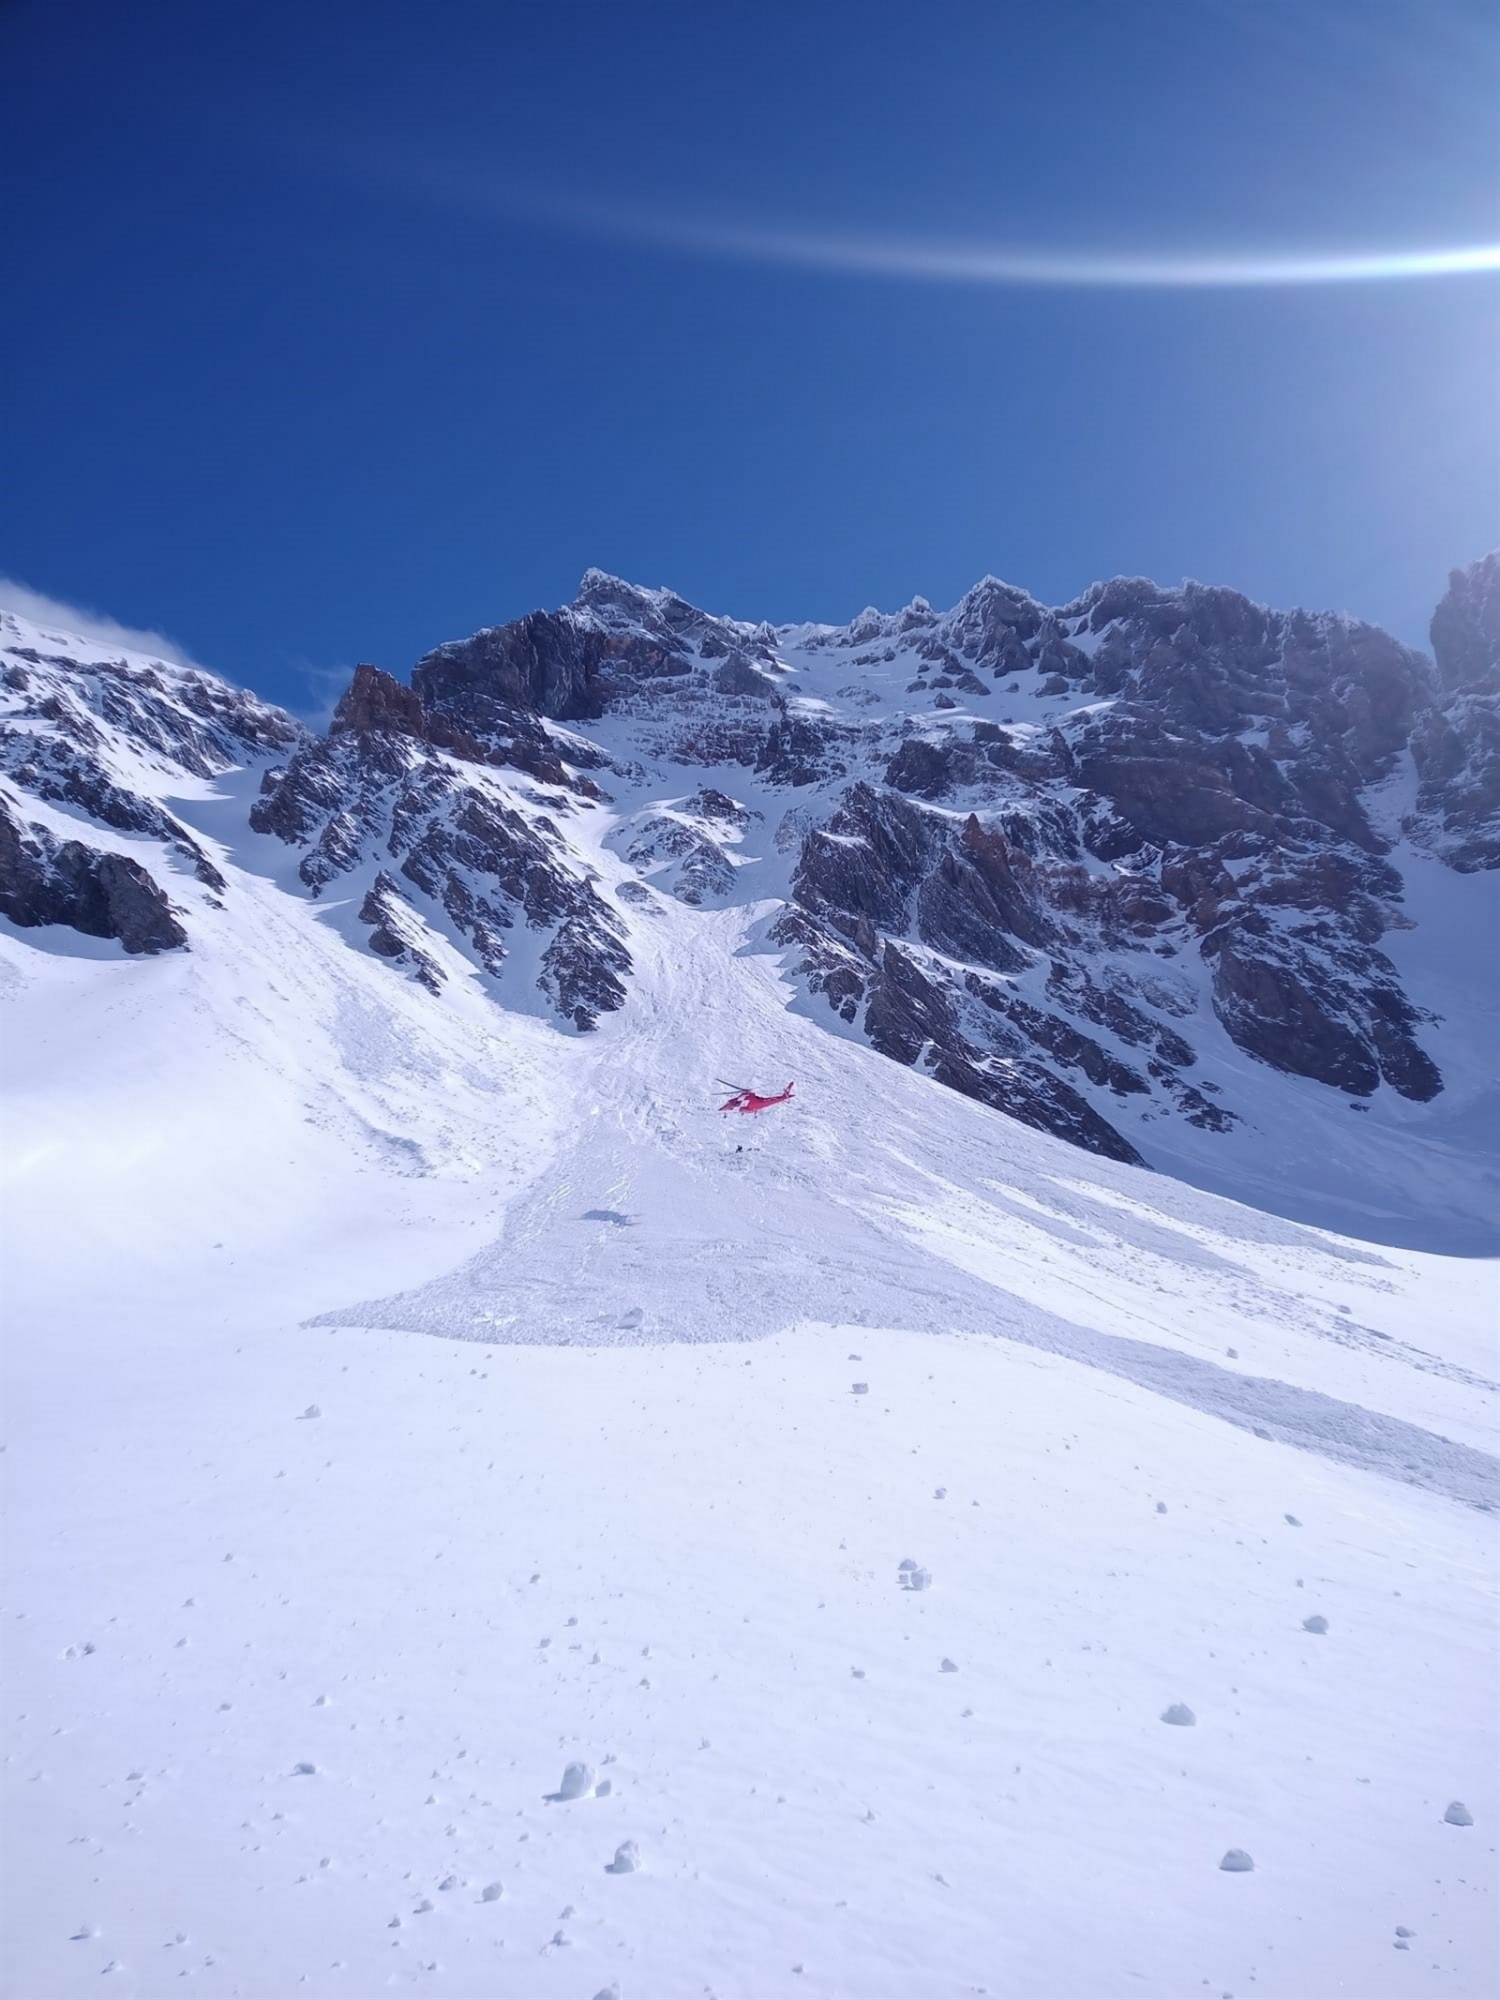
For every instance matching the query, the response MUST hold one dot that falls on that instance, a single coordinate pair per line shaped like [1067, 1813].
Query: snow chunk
[577, 1783]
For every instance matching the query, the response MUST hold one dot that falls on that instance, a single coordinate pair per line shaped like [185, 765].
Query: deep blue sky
[302, 366]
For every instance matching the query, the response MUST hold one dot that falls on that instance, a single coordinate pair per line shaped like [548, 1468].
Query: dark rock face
[65, 770]
[1217, 763]
[616, 648]
[1466, 626]
[401, 779]
[1289, 1006]
[47, 881]
[611, 643]
[912, 1017]
[397, 779]
[1456, 746]
[542, 665]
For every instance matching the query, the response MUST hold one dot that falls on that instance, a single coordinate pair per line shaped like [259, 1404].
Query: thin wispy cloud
[324, 688]
[80, 622]
[52, 615]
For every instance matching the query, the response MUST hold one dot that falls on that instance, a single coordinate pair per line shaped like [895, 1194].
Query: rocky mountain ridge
[96, 741]
[1056, 856]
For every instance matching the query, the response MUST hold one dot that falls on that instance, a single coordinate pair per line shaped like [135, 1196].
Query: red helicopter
[748, 1101]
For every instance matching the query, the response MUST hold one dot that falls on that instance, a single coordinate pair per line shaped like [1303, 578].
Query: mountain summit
[1165, 873]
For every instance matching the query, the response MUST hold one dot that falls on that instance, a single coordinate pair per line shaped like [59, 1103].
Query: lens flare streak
[910, 258]
[978, 265]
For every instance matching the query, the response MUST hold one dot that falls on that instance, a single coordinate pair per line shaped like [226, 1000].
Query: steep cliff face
[1193, 784]
[1067, 860]
[468, 793]
[400, 779]
[1456, 742]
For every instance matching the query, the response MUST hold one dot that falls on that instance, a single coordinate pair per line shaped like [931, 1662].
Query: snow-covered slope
[408, 1399]
[1162, 872]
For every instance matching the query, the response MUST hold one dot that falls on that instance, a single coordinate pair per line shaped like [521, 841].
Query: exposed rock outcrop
[1205, 792]
[102, 894]
[397, 933]
[101, 737]
[1456, 745]
[399, 780]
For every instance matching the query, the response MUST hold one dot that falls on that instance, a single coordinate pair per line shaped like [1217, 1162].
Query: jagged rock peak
[618, 604]
[376, 703]
[599, 590]
[377, 700]
[1466, 626]
[1455, 745]
[993, 596]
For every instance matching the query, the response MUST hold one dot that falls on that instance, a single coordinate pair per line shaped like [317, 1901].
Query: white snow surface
[406, 1401]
